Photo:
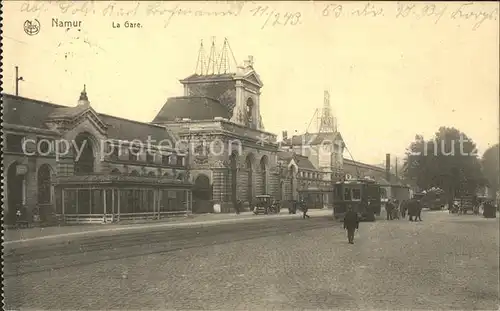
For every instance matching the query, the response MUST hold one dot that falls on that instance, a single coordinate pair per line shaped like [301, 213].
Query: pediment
[94, 117]
[293, 164]
[253, 78]
[68, 118]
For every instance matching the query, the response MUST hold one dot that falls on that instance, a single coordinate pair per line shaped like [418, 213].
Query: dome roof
[192, 107]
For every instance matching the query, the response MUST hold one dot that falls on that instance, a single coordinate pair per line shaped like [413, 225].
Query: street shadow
[22, 262]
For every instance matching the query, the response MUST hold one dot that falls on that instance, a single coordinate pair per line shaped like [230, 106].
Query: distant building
[324, 150]
[392, 187]
[300, 180]
[76, 164]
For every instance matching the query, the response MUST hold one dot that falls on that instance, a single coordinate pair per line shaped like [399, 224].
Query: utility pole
[396, 167]
[18, 78]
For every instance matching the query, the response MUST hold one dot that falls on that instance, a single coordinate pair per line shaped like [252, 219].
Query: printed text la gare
[127, 24]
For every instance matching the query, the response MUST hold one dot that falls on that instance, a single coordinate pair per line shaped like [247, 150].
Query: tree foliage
[491, 167]
[448, 161]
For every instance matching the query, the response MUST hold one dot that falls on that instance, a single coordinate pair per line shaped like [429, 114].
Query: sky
[392, 70]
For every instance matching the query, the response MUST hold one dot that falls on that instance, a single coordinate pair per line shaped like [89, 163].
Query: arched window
[115, 172]
[134, 173]
[84, 162]
[151, 174]
[249, 112]
[44, 184]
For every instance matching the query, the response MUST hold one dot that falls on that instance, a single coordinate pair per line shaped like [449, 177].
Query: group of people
[488, 209]
[394, 208]
[412, 207]
[275, 207]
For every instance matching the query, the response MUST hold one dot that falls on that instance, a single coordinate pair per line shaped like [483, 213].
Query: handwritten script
[470, 11]
[475, 14]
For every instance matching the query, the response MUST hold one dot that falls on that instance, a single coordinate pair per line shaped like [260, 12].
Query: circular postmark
[32, 27]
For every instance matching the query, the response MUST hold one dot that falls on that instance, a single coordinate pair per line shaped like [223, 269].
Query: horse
[395, 213]
[414, 210]
[403, 207]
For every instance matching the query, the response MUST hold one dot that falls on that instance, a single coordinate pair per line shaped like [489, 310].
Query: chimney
[285, 135]
[388, 167]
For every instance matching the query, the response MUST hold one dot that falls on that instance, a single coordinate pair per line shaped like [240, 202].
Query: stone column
[30, 190]
[218, 189]
[256, 100]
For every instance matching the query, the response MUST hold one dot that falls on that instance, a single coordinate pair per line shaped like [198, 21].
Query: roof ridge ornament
[84, 100]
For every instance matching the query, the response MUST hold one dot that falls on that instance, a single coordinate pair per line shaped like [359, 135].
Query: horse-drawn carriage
[465, 204]
[265, 204]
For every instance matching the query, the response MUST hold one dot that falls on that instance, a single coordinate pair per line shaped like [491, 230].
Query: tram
[363, 195]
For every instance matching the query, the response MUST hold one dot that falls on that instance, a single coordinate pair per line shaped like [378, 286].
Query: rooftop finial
[83, 94]
[84, 100]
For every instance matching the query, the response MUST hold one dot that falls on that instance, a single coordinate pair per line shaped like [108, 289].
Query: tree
[448, 161]
[491, 167]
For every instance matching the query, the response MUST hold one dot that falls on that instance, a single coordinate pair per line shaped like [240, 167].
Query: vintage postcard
[250, 155]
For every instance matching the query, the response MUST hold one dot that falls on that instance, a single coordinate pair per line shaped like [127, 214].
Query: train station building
[72, 164]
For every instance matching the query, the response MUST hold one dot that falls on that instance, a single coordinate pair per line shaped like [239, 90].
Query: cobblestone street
[445, 262]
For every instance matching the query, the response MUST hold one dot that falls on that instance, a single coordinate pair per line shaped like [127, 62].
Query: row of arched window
[149, 174]
[171, 159]
[311, 175]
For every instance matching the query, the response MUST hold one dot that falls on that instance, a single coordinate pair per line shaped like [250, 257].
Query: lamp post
[18, 78]
[189, 195]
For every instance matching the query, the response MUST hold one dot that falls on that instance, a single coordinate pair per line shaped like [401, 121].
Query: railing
[102, 178]
[110, 218]
[86, 218]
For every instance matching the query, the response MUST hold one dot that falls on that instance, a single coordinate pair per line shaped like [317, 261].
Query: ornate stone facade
[231, 157]
[54, 154]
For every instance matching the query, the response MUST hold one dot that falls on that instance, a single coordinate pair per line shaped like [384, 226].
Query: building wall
[362, 170]
[64, 164]
[33, 164]
[321, 156]
[217, 166]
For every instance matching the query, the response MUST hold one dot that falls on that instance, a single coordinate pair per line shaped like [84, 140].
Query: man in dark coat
[412, 207]
[389, 207]
[304, 209]
[351, 223]
[238, 206]
[418, 211]
[403, 208]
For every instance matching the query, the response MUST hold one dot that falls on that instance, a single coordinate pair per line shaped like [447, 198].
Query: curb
[148, 226]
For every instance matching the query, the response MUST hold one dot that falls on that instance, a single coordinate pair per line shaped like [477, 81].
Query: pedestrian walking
[389, 207]
[304, 210]
[351, 223]
[403, 208]
[419, 211]
[238, 206]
